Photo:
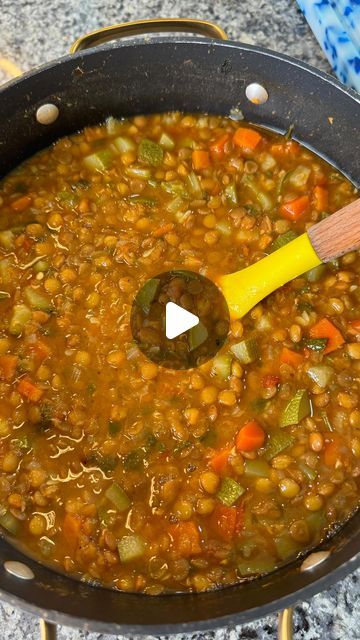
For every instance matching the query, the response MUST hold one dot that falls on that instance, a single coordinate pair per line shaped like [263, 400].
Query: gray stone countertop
[33, 32]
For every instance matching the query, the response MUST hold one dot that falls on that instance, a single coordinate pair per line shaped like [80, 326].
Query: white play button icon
[178, 320]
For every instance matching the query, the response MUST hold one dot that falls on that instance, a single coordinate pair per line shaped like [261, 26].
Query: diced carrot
[219, 461]
[40, 350]
[217, 148]
[71, 529]
[321, 198]
[41, 317]
[246, 139]
[200, 159]
[354, 327]
[8, 366]
[325, 329]
[294, 359]
[285, 149]
[293, 209]
[186, 539]
[21, 203]
[250, 437]
[335, 451]
[163, 230]
[226, 521]
[270, 380]
[29, 390]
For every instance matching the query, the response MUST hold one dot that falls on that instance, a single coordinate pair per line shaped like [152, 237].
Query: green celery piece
[221, 367]
[131, 548]
[224, 226]
[174, 187]
[277, 442]
[316, 344]
[282, 240]
[299, 176]
[150, 152]
[231, 193]
[8, 521]
[310, 473]
[166, 142]
[194, 184]
[147, 294]
[124, 144]
[118, 497]
[148, 202]
[297, 408]
[229, 492]
[246, 351]
[20, 317]
[99, 161]
[197, 336]
[256, 566]
[38, 300]
[257, 468]
[286, 546]
[326, 420]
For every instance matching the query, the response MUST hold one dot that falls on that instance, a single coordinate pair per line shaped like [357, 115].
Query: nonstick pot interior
[192, 75]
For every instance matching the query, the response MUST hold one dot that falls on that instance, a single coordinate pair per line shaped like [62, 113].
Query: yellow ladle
[329, 239]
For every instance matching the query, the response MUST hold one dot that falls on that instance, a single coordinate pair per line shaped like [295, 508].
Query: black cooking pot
[189, 74]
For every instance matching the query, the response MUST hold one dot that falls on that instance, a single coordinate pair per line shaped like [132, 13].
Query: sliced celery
[118, 497]
[150, 152]
[175, 187]
[229, 492]
[131, 548]
[321, 375]
[135, 171]
[194, 184]
[299, 176]
[20, 317]
[175, 205]
[231, 193]
[224, 227]
[309, 472]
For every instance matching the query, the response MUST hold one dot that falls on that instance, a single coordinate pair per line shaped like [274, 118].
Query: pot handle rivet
[141, 27]
[256, 93]
[19, 570]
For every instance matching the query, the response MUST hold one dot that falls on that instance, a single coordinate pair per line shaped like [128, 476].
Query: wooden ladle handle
[337, 234]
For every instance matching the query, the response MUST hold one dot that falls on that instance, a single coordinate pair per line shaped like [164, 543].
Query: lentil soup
[149, 479]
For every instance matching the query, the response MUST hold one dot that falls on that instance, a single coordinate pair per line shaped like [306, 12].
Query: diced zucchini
[297, 408]
[124, 144]
[257, 468]
[299, 176]
[229, 492]
[147, 294]
[8, 521]
[131, 548]
[194, 184]
[320, 374]
[7, 239]
[174, 187]
[197, 335]
[231, 193]
[286, 546]
[246, 351]
[20, 317]
[118, 497]
[316, 273]
[277, 442]
[310, 473]
[256, 566]
[316, 344]
[166, 142]
[221, 367]
[282, 240]
[150, 152]
[99, 161]
[38, 300]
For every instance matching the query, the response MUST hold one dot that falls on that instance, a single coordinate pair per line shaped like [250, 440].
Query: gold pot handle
[285, 624]
[47, 630]
[140, 27]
